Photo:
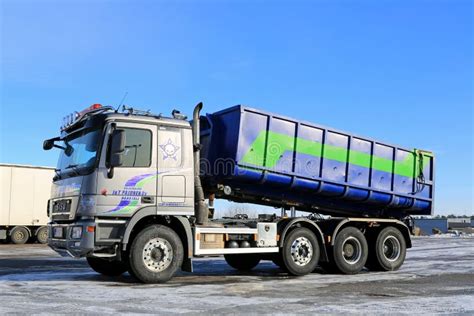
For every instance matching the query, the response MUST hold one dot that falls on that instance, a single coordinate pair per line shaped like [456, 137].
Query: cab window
[137, 148]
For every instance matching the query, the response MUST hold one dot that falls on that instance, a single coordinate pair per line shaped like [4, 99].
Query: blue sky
[398, 71]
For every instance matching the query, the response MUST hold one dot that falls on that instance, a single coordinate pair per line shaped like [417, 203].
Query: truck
[136, 191]
[24, 194]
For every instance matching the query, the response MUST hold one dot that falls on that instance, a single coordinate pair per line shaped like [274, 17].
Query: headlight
[57, 232]
[86, 204]
[76, 232]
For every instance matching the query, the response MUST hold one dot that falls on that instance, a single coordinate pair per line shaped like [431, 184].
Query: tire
[243, 262]
[350, 251]
[300, 251]
[387, 251]
[19, 235]
[156, 254]
[132, 274]
[42, 235]
[107, 267]
[126, 256]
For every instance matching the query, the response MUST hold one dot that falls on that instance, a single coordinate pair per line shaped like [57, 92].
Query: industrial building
[431, 226]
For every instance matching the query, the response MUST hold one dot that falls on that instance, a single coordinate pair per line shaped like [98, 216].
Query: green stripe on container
[267, 154]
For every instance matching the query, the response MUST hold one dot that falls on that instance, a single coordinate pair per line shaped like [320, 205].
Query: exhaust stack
[200, 207]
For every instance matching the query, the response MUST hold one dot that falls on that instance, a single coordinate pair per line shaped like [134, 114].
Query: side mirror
[48, 144]
[69, 150]
[117, 148]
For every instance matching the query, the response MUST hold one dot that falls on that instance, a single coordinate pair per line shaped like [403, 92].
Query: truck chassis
[152, 248]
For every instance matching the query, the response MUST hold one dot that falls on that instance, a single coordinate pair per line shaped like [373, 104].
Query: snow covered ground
[437, 277]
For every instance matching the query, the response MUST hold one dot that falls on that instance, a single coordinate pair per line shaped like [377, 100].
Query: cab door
[175, 171]
[133, 184]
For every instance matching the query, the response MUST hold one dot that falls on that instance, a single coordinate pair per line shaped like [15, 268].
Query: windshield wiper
[74, 168]
[78, 171]
[57, 174]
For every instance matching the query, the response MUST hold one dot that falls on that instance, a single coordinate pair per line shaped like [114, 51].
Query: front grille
[61, 209]
[60, 217]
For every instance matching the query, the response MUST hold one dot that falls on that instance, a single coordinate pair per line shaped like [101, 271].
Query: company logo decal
[169, 150]
[131, 193]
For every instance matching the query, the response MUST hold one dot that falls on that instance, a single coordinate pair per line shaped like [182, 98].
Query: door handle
[148, 199]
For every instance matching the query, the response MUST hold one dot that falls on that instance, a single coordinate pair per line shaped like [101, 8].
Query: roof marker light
[72, 118]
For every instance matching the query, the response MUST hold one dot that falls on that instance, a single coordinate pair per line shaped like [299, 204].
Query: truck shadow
[218, 272]
[18, 270]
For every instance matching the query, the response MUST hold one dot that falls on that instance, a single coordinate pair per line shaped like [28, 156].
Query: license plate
[57, 232]
[61, 206]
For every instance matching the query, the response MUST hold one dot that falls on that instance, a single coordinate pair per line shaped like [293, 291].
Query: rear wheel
[243, 262]
[156, 254]
[300, 251]
[19, 235]
[107, 267]
[388, 251]
[42, 235]
[350, 251]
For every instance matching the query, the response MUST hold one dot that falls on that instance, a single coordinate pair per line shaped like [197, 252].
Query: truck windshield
[80, 150]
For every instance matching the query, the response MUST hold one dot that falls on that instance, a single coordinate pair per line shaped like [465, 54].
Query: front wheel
[107, 267]
[388, 252]
[156, 254]
[300, 251]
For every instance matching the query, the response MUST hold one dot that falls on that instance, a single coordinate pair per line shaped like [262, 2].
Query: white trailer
[24, 194]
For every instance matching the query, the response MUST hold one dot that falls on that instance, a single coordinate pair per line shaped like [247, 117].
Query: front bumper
[66, 245]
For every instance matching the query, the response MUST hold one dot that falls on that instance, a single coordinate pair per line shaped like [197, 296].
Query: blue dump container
[275, 160]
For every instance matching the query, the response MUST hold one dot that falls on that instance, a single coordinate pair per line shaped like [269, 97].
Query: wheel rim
[351, 250]
[157, 254]
[43, 235]
[301, 251]
[391, 248]
[19, 235]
